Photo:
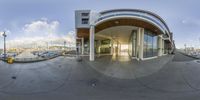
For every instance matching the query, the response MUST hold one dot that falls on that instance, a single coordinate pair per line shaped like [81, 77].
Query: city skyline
[23, 20]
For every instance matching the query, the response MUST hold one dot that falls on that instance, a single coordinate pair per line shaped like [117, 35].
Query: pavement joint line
[163, 90]
[19, 70]
[41, 92]
[187, 82]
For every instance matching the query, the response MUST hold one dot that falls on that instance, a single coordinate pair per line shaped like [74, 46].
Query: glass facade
[150, 44]
[132, 44]
[166, 47]
[105, 46]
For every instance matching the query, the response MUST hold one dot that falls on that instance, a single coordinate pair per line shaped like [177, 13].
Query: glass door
[134, 43]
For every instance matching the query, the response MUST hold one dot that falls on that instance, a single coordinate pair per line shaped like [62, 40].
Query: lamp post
[65, 44]
[199, 41]
[4, 35]
[47, 45]
[185, 48]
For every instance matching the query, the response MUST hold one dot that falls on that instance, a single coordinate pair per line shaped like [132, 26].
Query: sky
[29, 20]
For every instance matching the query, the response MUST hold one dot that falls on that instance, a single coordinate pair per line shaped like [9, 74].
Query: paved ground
[122, 67]
[65, 79]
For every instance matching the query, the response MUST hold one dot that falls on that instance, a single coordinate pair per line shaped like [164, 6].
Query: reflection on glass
[132, 44]
[150, 44]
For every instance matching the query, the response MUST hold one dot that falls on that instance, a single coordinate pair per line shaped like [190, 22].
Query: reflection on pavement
[122, 57]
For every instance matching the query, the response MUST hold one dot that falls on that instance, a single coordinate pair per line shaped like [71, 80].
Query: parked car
[12, 54]
[2, 56]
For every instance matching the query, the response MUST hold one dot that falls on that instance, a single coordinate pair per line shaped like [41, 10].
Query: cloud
[41, 32]
[191, 21]
[69, 38]
[41, 27]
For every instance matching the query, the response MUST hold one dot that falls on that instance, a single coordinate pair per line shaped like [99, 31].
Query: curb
[32, 61]
[189, 55]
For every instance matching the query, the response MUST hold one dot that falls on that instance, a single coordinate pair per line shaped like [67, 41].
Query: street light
[65, 44]
[199, 41]
[185, 48]
[4, 35]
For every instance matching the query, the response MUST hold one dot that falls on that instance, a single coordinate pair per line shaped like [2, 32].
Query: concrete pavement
[63, 78]
[127, 69]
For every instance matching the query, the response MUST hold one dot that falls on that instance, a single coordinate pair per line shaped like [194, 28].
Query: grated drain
[14, 77]
[93, 82]
[198, 61]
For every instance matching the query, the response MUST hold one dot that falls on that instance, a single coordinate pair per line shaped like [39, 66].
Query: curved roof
[126, 21]
[142, 13]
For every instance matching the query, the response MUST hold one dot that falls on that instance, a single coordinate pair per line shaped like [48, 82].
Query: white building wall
[79, 17]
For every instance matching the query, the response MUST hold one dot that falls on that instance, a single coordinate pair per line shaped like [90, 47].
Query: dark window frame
[84, 20]
[85, 14]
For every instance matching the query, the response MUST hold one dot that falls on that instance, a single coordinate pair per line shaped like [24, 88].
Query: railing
[39, 58]
[24, 60]
[29, 59]
[194, 55]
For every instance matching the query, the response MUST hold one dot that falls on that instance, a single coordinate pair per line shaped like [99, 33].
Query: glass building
[150, 44]
[139, 33]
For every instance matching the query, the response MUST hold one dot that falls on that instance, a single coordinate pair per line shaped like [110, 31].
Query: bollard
[10, 60]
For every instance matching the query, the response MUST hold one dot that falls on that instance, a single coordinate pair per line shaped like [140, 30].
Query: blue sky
[25, 18]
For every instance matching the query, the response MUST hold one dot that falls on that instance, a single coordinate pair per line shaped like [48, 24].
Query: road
[180, 57]
[64, 78]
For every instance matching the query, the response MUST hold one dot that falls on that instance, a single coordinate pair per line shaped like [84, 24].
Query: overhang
[127, 21]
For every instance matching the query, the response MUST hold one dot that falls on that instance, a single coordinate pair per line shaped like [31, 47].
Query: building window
[105, 46]
[133, 44]
[155, 45]
[84, 14]
[85, 21]
[150, 44]
[166, 47]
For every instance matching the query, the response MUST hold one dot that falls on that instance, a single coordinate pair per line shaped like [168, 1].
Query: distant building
[143, 34]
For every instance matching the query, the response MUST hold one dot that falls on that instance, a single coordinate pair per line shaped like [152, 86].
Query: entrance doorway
[122, 41]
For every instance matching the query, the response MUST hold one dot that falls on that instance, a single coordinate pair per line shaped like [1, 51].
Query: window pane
[145, 45]
[155, 50]
[85, 14]
[85, 21]
[150, 45]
